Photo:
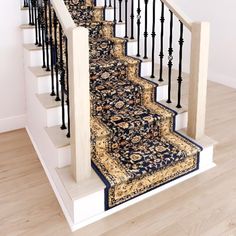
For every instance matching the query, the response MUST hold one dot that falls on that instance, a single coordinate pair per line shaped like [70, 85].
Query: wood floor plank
[204, 205]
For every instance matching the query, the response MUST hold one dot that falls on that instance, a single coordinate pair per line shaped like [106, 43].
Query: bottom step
[83, 203]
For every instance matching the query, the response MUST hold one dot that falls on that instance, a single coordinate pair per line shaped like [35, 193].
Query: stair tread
[27, 26]
[32, 47]
[48, 101]
[58, 136]
[38, 71]
[81, 189]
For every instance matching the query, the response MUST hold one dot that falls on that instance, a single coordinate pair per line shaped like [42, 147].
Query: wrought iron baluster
[145, 30]
[114, 11]
[153, 37]
[132, 19]
[30, 13]
[105, 3]
[138, 28]
[51, 48]
[26, 4]
[62, 74]
[42, 23]
[39, 24]
[35, 8]
[56, 63]
[170, 57]
[46, 34]
[110, 5]
[162, 41]
[67, 88]
[120, 10]
[180, 78]
[126, 19]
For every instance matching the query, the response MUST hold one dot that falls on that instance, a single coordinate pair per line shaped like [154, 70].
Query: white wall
[12, 99]
[221, 15]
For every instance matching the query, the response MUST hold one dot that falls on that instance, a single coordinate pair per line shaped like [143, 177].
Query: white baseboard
[222, 79]
[12, 123]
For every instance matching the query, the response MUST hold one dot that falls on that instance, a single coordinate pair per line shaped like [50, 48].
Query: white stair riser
[43, 84]
[100, 2]
[32, 58]
[181, 121]
[162, 93]
[109, 14]
[146, 68]
[132, 48]
[28, 35]
[120, 30]
[24, 17]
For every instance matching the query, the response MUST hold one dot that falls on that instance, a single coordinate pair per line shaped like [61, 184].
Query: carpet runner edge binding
[135, 147]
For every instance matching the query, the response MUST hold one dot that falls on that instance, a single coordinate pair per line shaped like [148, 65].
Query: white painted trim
[222, 79]
[12, 123]
[91, 220]
[140, 198]
[58, 196]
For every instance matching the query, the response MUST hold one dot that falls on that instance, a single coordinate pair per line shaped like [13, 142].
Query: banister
[79, 96]
[178, 13]
[63, 15]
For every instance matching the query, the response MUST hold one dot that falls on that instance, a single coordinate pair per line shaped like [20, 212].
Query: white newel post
[198, 79]
[78, 48]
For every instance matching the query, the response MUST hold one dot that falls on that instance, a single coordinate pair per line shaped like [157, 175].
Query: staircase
[97, 97]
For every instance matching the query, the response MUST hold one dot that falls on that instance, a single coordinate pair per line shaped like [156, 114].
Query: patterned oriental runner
[135, 147]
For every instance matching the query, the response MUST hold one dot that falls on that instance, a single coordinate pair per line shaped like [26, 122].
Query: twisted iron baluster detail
[42, 23]
[170, 57]
[153, 38]
[145, 30]
[180, 78]
[162, 19]
[120, 10]
[138, 28]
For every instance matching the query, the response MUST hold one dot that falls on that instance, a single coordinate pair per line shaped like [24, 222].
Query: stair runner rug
[134, 144]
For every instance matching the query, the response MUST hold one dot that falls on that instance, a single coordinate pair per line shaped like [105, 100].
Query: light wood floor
[203, 205]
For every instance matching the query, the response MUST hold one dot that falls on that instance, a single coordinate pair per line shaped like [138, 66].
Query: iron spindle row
[134, 31]
[49, 36]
